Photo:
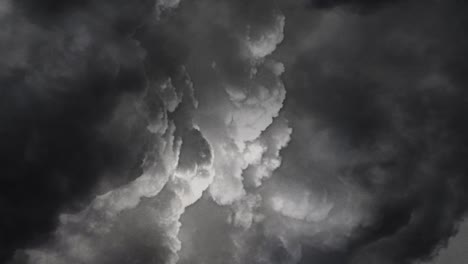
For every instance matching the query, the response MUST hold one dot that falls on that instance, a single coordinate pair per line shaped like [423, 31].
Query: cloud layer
[251, 131]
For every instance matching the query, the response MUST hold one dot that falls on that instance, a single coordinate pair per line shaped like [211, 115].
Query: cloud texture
[250, 131]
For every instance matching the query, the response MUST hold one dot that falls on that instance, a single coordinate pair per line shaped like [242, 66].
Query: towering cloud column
[233, 148]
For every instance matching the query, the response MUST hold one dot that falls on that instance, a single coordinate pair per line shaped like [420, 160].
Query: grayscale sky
[233, 131]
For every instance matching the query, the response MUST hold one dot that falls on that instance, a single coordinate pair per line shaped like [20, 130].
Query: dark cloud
[357, 5]
[386, 86]
[157, 109]
[70, 123]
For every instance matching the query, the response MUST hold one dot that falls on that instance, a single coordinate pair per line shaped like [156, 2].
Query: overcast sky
[233, 131]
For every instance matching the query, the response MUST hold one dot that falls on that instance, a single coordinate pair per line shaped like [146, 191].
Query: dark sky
[247, 131]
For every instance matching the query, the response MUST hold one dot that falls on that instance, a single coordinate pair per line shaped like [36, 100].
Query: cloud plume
[250, 131]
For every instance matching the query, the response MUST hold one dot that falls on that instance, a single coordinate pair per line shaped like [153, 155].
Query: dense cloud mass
[216, 131]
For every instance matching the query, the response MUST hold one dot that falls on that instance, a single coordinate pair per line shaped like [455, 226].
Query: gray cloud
[384, 90]
[231, 131]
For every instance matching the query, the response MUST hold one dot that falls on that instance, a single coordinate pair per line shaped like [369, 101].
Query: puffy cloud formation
[250, 131]
[384, 92]
[150, 206]
[181, 155]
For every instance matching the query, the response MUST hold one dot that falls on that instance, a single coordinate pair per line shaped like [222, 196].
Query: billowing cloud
[250, 131]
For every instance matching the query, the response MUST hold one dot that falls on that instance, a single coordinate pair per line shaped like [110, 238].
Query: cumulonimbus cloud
[247, 131]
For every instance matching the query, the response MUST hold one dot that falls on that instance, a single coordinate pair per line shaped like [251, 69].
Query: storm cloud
[205, 131]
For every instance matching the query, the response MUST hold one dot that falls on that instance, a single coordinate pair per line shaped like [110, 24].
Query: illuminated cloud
[216, 131]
